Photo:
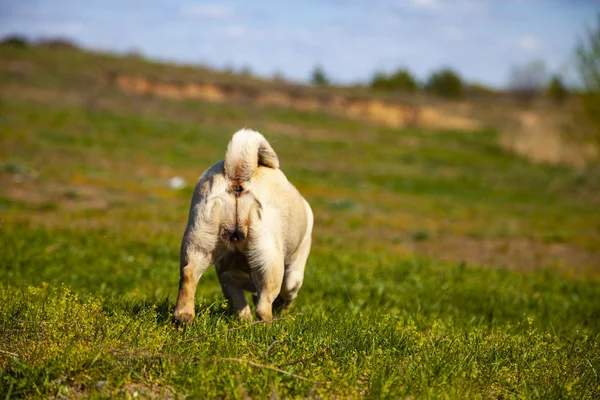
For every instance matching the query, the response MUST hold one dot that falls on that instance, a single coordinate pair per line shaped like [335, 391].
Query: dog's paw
[245, 314]
[280, 305]
[264, 313]
[183, 317]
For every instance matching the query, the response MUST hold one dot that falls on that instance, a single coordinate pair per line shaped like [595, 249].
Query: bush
[58, 43]
[588, 59]
[445, 83]
[15, 41]
[477, 89]
[319, 77]
[399, 80]
[527, 81]
[246, 71]
[557, 90]
[588, 66]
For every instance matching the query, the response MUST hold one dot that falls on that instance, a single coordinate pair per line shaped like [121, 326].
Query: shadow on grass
[163, 309]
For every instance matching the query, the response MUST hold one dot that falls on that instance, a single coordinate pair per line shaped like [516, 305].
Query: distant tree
[557, 90]
[318, 77]
[15, 41]
[588, 58]
[379, 81]
[135, 54]
[588, 66]
[527, 81]
[477, 89]
[399, 80]
[58, 43]
[278, 76]
[403, 79]
[246, 71]
[445, 83]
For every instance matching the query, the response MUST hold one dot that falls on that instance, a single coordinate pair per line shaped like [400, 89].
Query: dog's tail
[246, 151]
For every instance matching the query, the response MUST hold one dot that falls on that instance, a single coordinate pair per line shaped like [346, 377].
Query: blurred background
[482, 41]
[465, 130]
[530, 51]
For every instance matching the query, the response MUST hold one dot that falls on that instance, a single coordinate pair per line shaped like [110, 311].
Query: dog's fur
[248, 220]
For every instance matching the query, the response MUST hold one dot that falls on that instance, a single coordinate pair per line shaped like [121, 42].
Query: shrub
[527, 81]
[319, 77]
[402, 79]
[445, 83]
[58, 43]
[246, 71]
[15, 41]
[477, 89]
[588, 66]
[557, 90]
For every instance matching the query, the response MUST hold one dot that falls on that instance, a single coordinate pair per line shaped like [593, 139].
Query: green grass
[82, 309]
[406, 294]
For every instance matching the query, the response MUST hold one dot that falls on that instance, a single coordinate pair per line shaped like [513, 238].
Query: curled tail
[246, 151]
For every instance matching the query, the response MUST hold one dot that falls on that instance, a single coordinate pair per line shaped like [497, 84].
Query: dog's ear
[267, 156]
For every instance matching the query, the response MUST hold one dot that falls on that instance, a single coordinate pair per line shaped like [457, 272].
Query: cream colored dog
[248, 220]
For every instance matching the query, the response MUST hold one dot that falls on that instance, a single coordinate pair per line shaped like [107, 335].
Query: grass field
[442, 267]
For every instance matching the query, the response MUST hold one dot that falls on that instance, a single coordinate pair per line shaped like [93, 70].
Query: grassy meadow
[442, 266]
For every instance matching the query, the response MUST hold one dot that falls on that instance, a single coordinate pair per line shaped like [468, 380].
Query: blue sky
[481, 39]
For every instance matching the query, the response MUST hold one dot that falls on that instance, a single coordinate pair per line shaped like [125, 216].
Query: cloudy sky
[481, 39]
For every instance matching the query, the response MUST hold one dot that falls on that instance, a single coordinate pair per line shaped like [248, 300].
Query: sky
[352, 39]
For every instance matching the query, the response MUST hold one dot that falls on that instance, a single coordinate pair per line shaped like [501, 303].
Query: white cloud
[528, 43]
[433, 5]
[207, 11]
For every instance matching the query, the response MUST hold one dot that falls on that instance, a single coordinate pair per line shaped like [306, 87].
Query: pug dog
[252, 224]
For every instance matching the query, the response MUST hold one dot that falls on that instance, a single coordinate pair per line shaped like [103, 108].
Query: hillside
[423, 167]
[442, 264]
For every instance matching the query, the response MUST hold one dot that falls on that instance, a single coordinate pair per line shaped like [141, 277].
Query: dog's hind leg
[267, 279]
[234, 292]
[294, 276]
[193, 266]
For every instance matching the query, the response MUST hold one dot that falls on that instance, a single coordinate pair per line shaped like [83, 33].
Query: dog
[248, 220]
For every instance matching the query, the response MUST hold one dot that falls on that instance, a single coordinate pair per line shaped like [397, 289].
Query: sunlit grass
[82, 309]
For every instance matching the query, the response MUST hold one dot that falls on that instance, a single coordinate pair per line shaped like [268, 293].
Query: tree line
[525, 82]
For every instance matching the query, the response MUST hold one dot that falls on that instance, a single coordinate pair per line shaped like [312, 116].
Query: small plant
[14, 167]
[343, 204]
[71, 194]
[49, 206]
[555, 238]
[419, 236]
